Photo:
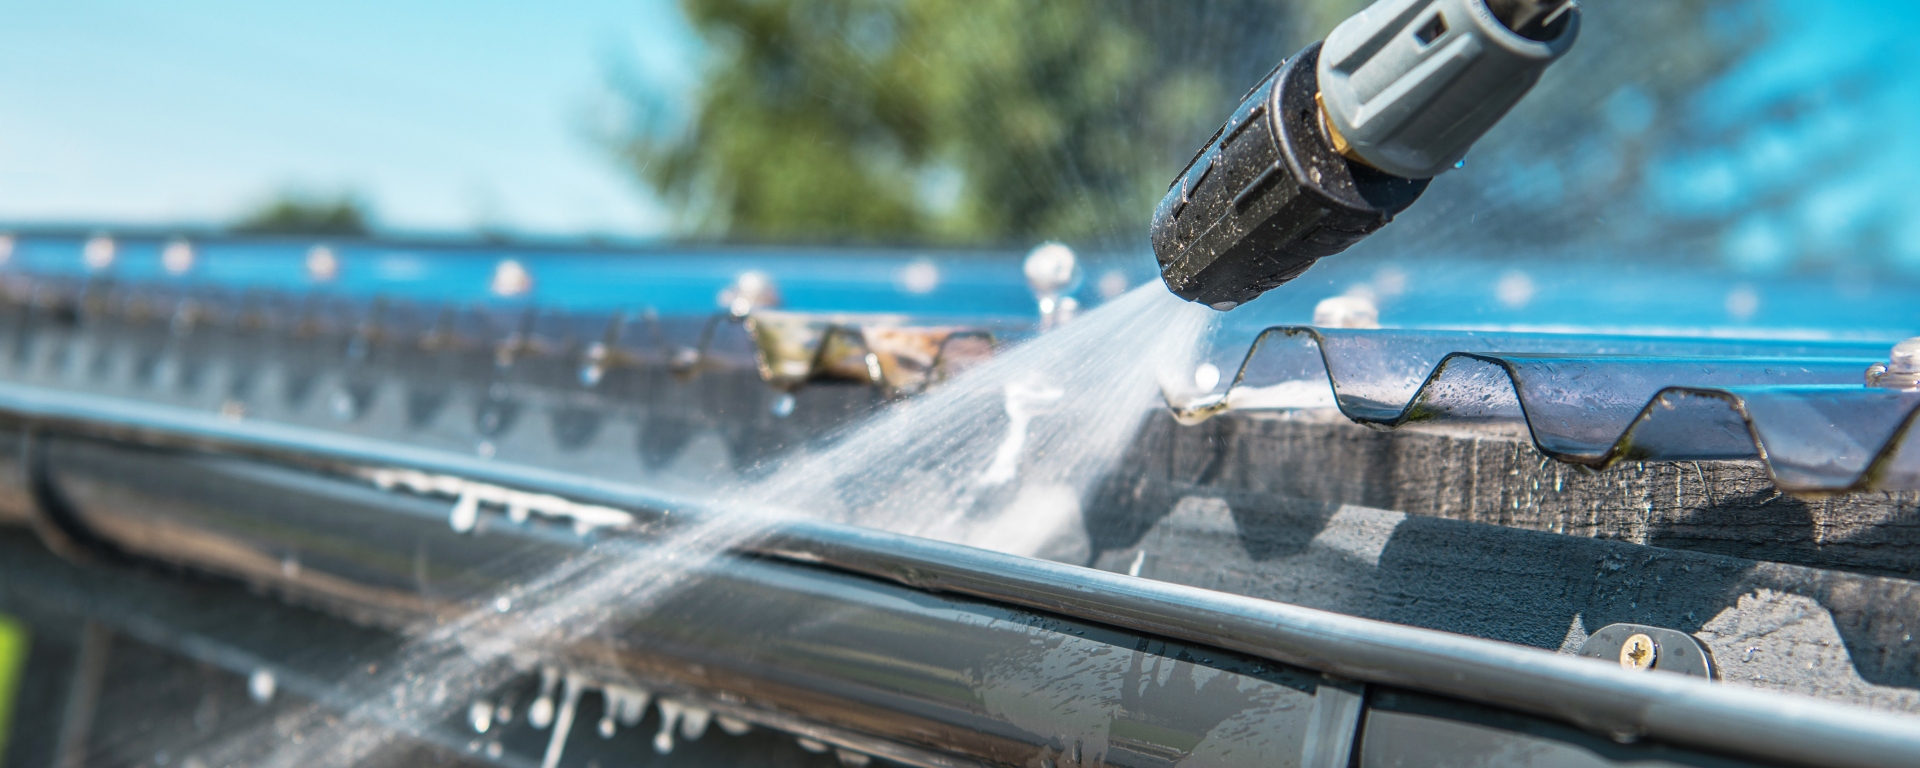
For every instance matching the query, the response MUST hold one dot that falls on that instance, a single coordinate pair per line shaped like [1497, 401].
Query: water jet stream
[1001, 457]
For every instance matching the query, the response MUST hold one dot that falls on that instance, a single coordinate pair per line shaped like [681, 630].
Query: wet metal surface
[415, 455]
[1800, 406]
[1599, 697]
[551, 387]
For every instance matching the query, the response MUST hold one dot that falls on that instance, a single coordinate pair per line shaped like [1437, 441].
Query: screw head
[1901, 370]
[1905, 357]
[1639, 653]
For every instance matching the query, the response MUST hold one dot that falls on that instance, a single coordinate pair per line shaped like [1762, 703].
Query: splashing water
[1001, 457]
[1004, 456]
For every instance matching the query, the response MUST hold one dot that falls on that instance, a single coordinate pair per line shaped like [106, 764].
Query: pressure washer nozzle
[1347, 134]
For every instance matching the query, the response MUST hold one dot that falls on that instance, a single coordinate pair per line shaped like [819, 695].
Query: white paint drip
[670, 711]
[625, 706]
[519, 505]
[693, 723]
[465, 514]
[540, 715]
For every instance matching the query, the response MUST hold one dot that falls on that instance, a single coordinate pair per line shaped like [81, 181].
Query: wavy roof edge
[1600, 401]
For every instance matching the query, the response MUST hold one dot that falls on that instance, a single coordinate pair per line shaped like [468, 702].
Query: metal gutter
[1626, 706]
[1599, 697]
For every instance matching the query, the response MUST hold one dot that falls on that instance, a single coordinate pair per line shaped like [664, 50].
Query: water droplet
[342, 406]
[177, 258]
[502, 604]
[782, 406]
[669, 717]
[261, 685]
[607, 728]
[1206, 377]
[852, 759]
[540, 714]
[733, 726]
[494, 750]
[811, 746]
[480, 716]
[465, 514]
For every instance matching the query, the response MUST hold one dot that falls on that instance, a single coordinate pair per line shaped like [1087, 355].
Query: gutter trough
[881, 645]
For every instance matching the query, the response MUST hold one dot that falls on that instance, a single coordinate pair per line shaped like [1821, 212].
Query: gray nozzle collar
[1412, 84]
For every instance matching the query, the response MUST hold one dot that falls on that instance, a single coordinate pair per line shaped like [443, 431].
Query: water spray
[1346, 134]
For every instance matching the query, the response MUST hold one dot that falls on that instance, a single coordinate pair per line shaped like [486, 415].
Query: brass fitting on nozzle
[1345, 135]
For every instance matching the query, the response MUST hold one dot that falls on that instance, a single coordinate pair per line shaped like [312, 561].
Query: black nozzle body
[1268, 196]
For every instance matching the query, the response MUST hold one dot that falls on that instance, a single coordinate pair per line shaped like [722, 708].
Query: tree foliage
[294, 213]
[949, 120]
[1008, 121]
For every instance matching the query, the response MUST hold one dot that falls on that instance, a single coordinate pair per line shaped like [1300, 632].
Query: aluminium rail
[1659, 709]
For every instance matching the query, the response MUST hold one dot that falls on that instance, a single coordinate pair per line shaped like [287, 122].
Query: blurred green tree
[1001, 121]
[300, 213]
[951, 121]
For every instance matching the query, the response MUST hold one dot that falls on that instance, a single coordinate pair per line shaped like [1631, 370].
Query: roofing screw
[511, 279]
[1052, 271]
[177, 257]
[1902, 369]
[750, 290]
[98, 253]
[1639, 653]
[322, 265]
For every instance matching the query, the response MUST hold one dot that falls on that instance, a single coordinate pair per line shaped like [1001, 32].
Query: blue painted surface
[1429, 291]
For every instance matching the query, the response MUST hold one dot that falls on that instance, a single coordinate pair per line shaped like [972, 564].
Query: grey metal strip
[83, 696]
[1335, 722]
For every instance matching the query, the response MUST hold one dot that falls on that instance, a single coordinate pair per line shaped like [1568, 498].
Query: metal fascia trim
[1600, 697]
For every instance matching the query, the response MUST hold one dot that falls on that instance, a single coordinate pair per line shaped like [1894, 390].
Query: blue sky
[446, 116]
[443, 115]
